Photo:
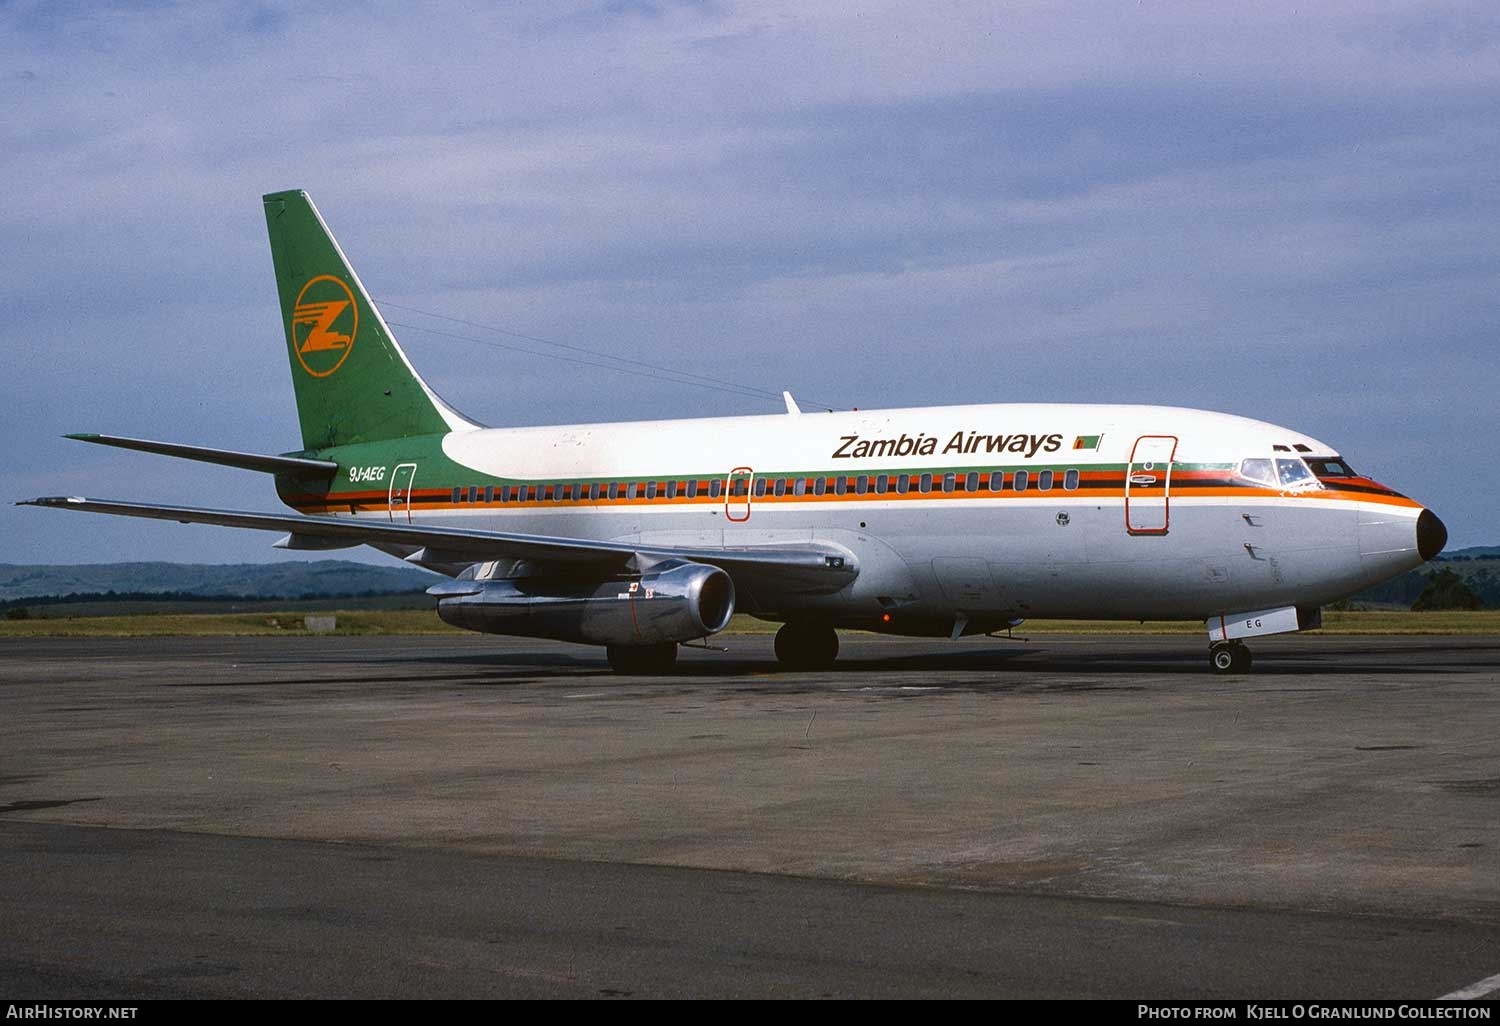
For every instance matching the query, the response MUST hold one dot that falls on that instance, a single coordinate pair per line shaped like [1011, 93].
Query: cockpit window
[1293, 473]
[1263, 471]
[1331, 468]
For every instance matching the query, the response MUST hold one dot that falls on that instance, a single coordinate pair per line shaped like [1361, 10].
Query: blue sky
[1286, 211]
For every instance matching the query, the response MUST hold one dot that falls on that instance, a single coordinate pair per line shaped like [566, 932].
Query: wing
[803, 567]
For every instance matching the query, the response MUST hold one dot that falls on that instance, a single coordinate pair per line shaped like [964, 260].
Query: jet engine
[674, 601]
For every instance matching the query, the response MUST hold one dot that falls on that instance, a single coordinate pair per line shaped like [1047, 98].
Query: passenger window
[924, 483]
[760, 487]
[594, 492]
[715, 488]
[1070, 480]
[489, 493]
[840, 485]
[997, 481]
[779, 488]
[820, 485]
[881, 484]
[903, 482]
[799, 487]
[1044, 481]
[861, 484]
[632, 490]
[947, 482]
[1022, 480]
[458, 494]
[971, 483]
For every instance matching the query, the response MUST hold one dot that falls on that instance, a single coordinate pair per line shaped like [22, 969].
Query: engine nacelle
[676, 601]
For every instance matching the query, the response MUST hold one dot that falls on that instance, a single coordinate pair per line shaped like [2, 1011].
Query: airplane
[928, 522]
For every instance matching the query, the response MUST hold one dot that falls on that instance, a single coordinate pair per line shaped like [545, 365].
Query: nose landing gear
[1229, 657]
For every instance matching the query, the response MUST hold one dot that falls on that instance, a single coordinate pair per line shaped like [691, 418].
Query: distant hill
[1479, 567]
[1478, 552]
[240, 580]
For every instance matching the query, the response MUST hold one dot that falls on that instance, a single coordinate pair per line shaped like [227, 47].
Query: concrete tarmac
[484, 816]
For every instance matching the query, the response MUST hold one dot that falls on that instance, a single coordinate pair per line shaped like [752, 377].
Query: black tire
[644, 660]
[801, 646]
[1226, 657]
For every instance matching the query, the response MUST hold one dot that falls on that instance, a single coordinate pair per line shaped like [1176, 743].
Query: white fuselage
[1146, 512]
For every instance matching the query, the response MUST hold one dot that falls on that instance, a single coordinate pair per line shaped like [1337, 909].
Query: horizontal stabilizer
[807, 567]
[224, 457]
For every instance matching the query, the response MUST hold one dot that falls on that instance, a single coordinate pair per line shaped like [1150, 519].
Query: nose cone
[1431, 535]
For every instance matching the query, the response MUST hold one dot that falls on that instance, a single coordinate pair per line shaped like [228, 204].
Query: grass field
[399, 622]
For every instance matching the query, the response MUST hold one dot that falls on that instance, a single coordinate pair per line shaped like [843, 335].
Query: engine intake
[676, 601]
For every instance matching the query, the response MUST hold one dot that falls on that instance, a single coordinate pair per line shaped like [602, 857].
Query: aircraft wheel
[1229, 657]
[801, 646]
[642, 659]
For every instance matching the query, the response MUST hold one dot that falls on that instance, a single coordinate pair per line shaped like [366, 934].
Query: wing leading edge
[807, 568]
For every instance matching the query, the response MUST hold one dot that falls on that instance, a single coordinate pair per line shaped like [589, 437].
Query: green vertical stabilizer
[353, 382]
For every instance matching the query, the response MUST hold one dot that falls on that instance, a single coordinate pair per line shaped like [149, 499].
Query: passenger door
[400, 493]
[1148, 485]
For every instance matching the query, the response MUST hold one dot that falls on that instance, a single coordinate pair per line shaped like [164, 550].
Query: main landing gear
[646, 660]
[806, 646]
[1229, 657]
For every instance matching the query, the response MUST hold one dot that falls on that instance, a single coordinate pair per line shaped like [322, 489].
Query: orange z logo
[321, 316]
[324, 325]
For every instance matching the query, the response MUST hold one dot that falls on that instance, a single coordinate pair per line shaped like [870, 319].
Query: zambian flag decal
[1087, 442]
